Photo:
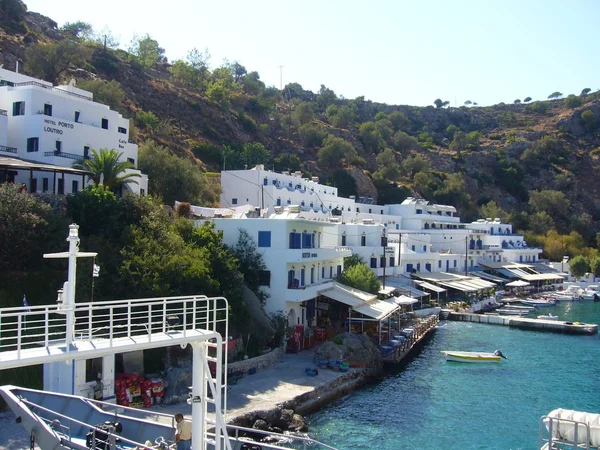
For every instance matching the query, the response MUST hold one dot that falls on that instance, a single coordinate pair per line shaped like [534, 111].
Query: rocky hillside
[538, 162]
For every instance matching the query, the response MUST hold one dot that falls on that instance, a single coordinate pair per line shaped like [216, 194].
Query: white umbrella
[517, 283]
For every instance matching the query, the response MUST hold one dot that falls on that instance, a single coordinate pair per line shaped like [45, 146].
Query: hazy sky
[396, 52]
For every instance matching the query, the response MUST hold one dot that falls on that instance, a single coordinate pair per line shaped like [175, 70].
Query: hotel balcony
[4, 148]
[303, 293]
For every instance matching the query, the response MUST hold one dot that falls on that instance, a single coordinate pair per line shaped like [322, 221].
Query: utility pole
[384, 245]
[466, 255]
[400, 251]
[280, 78]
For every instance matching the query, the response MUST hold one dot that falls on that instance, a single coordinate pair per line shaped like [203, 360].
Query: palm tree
[106, 168]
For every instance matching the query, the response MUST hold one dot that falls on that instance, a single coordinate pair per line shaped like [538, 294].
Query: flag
[25, 304]
[96, 271]
[28, 310]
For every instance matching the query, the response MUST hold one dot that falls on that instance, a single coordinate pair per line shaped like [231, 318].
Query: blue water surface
[434, 404]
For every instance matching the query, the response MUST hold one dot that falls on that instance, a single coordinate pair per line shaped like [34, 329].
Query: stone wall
[258, 363]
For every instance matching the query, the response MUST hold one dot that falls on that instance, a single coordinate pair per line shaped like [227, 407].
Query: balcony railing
[4, 148]
[64, 155]
[51, 88]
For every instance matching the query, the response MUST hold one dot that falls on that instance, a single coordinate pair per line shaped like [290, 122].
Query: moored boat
[473, 357]
[547, 317]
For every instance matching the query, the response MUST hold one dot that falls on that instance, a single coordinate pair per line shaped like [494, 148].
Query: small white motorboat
[539, 302]
[474, 357]
[547, 317]
[511, 312]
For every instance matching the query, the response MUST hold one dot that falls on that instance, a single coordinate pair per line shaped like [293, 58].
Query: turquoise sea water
[434, 404]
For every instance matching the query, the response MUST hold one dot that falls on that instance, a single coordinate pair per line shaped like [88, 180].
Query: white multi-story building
[55, 126]
[301, 256]
[421, 237]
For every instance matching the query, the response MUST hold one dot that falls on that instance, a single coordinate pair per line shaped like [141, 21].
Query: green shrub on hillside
[573, 101]
[536, 108]
[146, 119]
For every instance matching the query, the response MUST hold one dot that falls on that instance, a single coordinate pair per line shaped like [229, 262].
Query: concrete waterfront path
[282, 382]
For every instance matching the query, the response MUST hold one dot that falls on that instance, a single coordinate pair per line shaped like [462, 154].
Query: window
[18, 108]
[86, 152]
[122, 130]
[33, 185]
[312, 275]
[357, 209]
[33, 144]
[418, 267]
[234, 201]
[440, 264]
[412, 247]
[369, 210]
[61, 186]
[392, 261]
[373, 263]
[74, 186]
[279, 201]
[77, 116]
[323, 272]
[47, 109]
[45, 184]
[409, 268]
[131, 160]
[264, 278]
[105, 124]
[307, 240]
[265, 182]
[343, 240]
[330, 271]
[425, 248]
[339, 270]
[302, 271]
[264, 238]
[454, 263]
[295, 240]
[142, 192]
[93, 369]
[363, 241]
[58, 146]
[382, 261]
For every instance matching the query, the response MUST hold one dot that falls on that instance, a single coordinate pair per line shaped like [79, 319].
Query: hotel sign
[309, 255]
[50, 126]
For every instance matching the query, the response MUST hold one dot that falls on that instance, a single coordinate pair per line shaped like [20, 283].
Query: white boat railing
[564, 433]
[33, 327]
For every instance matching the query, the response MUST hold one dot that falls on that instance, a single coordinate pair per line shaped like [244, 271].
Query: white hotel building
[421, 237]
[45, 128]
[304, 230]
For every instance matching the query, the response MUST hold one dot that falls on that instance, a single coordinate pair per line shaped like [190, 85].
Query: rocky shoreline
[288, 416]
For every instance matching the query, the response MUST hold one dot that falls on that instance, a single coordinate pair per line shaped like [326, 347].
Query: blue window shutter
[264, 238]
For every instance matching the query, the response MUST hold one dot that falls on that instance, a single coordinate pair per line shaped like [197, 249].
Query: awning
[386, 290]
[347, 295]
[488, 276]
[518, 283]
[413, 291]
[404, 300]
[378, 309]
[431, 287]
[403, 286]
[458, 286]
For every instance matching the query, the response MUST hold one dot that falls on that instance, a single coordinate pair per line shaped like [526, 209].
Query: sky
[389, 51]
